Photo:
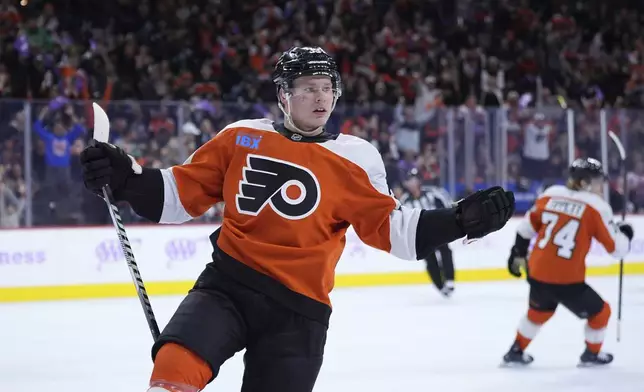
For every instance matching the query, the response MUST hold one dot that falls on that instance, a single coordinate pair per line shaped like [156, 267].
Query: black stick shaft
[621, 261]
[131, 263]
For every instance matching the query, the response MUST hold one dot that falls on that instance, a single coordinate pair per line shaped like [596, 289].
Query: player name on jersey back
[569, 207]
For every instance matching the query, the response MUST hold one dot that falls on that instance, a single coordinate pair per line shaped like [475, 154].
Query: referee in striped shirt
[440, 265]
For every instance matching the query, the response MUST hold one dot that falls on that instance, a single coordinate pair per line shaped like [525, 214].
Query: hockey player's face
[311, 101]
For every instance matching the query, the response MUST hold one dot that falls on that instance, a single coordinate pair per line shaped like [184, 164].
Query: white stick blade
[101, 124]
[618, 144]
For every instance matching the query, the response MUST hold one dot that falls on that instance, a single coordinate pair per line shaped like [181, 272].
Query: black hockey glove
[627, 229]
[484, 212]
[518, 255]
[105, 164]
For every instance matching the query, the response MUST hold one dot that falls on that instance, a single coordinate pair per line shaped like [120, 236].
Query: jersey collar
[296, 137]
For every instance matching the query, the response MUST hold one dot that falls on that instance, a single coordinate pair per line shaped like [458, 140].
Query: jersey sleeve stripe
[402, 234]
[173, 210]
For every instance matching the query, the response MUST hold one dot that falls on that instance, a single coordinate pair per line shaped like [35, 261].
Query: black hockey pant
[284, 350]
[440, 266]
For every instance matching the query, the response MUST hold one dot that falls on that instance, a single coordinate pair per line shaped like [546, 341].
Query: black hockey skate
[590, 359]
[516, 357]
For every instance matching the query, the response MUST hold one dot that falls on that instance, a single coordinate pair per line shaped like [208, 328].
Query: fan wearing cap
[440, 262]
[563, 222]
[290, 191]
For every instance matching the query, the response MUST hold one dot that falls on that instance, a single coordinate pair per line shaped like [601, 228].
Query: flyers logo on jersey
[292, 191]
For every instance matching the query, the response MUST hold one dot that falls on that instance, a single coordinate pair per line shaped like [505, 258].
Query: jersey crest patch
[292, 191]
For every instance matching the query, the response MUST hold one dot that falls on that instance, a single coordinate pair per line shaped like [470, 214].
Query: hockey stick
[101, 134]
[622, 156]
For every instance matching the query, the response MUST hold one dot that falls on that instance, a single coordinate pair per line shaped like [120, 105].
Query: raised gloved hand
[105, 164]
[485, 211]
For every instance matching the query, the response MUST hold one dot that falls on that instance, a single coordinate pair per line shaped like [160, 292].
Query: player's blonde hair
[576, 185]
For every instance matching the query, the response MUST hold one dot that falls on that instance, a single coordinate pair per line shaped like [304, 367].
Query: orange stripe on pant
[178, 369]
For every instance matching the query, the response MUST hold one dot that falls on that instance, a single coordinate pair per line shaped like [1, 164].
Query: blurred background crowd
[469, 93]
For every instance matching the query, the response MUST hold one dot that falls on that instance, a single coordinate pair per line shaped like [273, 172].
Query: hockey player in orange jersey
[291, 191]
[563, 223]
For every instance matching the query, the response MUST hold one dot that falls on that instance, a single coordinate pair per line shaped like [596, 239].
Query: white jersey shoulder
[588, 198]
[583, 199]
[363, 154]
[403, 220]
[260, 124]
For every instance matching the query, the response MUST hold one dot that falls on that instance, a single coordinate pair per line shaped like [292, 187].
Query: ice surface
[404, 338]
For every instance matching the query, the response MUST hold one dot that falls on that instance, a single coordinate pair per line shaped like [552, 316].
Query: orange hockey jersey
[565, 222]
[288, 204]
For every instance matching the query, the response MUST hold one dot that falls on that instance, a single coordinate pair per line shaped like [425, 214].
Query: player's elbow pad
[145, 192]
[435, 228]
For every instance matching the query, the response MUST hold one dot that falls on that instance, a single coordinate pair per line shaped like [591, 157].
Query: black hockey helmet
[305, 61]
[586, 169]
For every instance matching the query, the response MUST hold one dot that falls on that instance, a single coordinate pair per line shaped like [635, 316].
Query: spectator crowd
[467, 92]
